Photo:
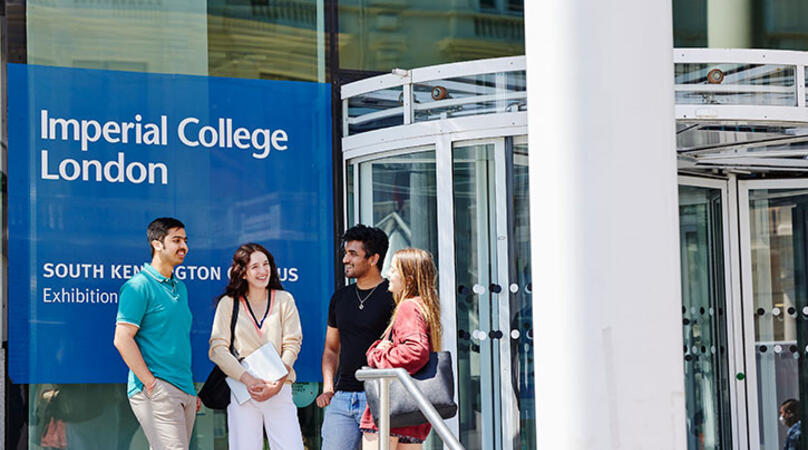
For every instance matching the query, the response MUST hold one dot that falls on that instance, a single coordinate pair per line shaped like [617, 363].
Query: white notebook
[264, 363]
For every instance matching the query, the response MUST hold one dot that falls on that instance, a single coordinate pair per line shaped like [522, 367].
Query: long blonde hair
[417, 271]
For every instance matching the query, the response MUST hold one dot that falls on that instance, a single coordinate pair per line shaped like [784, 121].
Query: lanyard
[258, 324]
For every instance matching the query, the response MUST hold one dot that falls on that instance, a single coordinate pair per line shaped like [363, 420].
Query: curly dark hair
[237, 286]
[373, 240]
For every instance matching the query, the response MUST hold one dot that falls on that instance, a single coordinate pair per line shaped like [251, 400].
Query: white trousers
[278, 414]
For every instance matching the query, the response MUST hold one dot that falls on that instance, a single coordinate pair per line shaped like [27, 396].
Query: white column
[604, 225]
[729, 23]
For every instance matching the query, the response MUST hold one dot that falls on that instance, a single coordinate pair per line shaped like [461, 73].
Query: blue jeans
[341, 421]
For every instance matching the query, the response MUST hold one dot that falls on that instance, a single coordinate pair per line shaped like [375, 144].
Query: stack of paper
[264, 363]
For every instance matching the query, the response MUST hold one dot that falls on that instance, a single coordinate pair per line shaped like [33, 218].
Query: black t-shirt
[358, 328]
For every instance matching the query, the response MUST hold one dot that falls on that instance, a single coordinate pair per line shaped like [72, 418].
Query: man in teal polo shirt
[153, 335]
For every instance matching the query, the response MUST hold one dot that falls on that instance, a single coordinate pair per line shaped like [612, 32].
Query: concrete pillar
[604, 225]
[729, 23]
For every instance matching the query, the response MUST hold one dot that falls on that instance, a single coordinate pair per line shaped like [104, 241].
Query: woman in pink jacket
[413, 333]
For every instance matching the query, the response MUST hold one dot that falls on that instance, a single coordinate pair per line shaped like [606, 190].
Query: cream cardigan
[281, 328]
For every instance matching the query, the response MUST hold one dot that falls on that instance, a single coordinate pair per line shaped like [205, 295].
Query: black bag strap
[233, 319]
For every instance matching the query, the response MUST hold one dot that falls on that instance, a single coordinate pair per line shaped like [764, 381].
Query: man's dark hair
[373, 240]
[158, 229]
[792, 406]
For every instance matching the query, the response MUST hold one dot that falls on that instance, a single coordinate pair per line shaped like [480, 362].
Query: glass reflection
[227, 38]
[780, 290]
[142, 36]
[752, 24]
[267, 40]
[350, 195]
[380, 37]
[475, 270]
[704, 321]
[479, 94]
[98, 417]
[736, 84]
[521, 303]
[375, 110]
[398, 194]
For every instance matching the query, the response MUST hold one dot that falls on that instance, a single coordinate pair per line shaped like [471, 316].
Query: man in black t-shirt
[357, 316]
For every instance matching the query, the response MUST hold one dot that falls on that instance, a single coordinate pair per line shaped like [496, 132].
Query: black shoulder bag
[215, 393]
[435, 380]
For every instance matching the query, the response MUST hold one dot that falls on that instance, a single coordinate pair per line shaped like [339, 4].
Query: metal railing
[385, 376]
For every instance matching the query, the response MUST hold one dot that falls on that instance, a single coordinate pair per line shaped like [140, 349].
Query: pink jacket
[410, 350]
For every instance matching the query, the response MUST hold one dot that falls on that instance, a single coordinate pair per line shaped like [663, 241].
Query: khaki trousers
[167, 417]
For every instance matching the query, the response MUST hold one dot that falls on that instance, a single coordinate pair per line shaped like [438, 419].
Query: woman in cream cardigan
[266, 313]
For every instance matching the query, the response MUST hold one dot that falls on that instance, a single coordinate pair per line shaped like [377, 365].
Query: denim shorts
[401, 438]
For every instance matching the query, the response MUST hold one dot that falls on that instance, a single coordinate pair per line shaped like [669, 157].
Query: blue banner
[95, 155]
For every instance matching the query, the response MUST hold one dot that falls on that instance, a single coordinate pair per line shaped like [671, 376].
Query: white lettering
[45, 175]
[263, 145]
[110, 129]
[130, 169]
[241, 133]
[72, 270]
[63, 169]
[115, 171]
[85, 133]
[85, 169]
[181, 131]
[279, 136]
[64, 124]
[43, 124]
[198, 273]
[213, 136]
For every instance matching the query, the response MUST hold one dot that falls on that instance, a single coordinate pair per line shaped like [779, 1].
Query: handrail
[384, 376]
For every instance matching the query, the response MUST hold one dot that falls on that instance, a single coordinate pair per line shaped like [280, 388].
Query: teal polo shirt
[158, 306]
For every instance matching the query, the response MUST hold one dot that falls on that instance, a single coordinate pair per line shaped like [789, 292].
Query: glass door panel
[475, 271]
[777, 249]
[521, 299]
[494, 294]
[707, 376]
[396, 191]
[398, 194]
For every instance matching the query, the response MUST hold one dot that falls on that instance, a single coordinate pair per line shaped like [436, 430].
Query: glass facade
[223, 38]
[295, 40]
[378, 36]
[226, 38]
[769, 24]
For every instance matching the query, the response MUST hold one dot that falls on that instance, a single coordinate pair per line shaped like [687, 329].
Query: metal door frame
[441, 138]
[732, 303]
[499, 378]
[744, 186]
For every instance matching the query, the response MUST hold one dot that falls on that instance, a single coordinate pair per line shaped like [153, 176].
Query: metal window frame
[795, 113]
[423, 133]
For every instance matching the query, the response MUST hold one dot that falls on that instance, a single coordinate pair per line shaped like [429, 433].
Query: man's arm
[330, 360]
[125, 343]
